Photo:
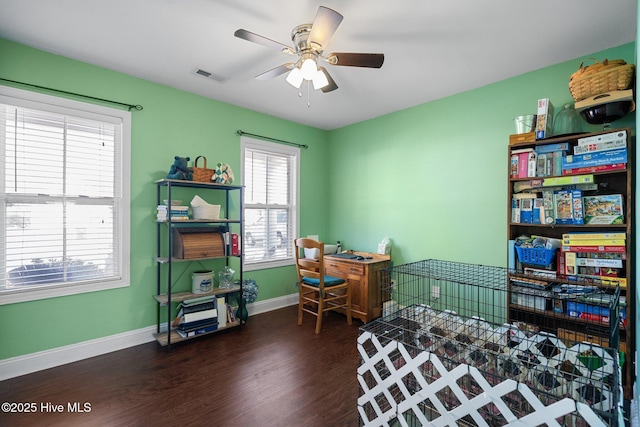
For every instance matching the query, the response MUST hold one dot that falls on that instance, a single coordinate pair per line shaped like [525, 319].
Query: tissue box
[203, 210]
[206, 212]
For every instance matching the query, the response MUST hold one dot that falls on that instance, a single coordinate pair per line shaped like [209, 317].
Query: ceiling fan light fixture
[309, 68]
[319, 80]
[295, 78]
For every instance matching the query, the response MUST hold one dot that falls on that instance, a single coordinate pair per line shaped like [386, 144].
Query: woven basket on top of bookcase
[600, 77]
[202, 174]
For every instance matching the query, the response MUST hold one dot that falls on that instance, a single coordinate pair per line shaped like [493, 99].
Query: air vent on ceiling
[207, 74]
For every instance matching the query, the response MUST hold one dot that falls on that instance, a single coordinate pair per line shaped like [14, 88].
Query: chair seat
[328, 281]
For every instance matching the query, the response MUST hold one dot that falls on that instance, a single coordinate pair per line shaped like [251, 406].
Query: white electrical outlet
[435, 292]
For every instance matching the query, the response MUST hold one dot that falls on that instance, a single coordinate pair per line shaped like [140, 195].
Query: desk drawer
[340, 269]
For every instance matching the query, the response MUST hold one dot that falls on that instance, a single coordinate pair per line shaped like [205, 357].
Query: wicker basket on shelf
[600, 77]
[202, 174]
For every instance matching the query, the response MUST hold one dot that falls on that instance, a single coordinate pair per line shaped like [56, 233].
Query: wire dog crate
[443, 354]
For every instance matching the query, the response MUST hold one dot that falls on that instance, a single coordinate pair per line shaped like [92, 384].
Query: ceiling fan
[310, 42]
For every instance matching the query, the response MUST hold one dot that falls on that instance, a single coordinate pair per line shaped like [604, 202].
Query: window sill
[268, 264]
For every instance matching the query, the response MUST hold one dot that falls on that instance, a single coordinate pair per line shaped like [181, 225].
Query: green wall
[432, 178]
[172, 123]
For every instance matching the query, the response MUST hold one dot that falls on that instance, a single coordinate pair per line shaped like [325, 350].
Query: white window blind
[270, 177]
[63, 201]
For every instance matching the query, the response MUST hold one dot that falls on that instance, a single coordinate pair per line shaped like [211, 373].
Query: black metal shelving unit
[164, 254]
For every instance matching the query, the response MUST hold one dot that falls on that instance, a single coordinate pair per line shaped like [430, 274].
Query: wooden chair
[318, 293]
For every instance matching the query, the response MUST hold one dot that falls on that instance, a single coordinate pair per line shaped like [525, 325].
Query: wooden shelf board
[165, 260]
[181, 296]
[162, 338]
[555, 315]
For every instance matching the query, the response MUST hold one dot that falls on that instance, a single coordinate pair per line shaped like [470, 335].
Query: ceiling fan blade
[275, 72]
[256, 38]
[324, 26]
[332, 84]
[368, 60]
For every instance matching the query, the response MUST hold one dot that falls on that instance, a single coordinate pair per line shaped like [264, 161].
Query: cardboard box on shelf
[545, 119]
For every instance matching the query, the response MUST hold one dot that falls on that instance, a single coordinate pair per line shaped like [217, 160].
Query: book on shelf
[605, 209]
[587, 235]
[195, 312]
[177, 213]
[526, 210]
[538, 216]
[548, 206]
[599, 262]
[198, 300]
[592, 169]
[570, 266]
[600, 146]
[549, 168]
[173, 218]
[231, 313]
[221, 306]
[568, 180]
[198, 324]
[235, 244]
[601, 158]
[199, 315]
[558, 158]
[541, 164]
[526, 185]
[198, 331]
[563, 211]
[532, 271]
[616, 137]
[594, 242]
[550, 148]
[532, 164]
[174, 208]
[515, 209]
[513, 169]
[523, 164]
[600, 280]
[578, 211]
[594, 275]
[594, 248]
[527, 195]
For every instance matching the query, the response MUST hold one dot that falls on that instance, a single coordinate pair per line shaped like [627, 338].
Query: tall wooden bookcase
[550, 314]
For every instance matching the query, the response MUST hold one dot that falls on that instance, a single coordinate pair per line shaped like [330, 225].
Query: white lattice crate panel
[402, 384]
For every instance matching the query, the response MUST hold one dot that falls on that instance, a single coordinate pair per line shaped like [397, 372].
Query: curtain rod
[240, 133]
[129, 106]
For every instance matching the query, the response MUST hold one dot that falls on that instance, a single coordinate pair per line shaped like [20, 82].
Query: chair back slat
[308, 267]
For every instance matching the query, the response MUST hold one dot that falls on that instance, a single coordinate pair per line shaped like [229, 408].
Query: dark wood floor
[269, 372]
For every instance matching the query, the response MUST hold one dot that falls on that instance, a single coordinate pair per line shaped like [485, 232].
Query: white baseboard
[29, 363]
[272, 304]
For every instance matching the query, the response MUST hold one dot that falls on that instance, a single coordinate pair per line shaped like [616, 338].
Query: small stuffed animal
[180, 170]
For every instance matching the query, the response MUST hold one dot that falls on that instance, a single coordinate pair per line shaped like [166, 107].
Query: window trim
[272, 147]
[50, 103]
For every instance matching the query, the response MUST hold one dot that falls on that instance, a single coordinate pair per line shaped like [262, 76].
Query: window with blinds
[64, 197]
[270, 177]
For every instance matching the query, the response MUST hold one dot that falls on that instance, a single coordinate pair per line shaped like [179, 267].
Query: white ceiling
[433, 48]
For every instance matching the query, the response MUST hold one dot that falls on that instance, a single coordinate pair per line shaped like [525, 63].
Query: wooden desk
[364, 282]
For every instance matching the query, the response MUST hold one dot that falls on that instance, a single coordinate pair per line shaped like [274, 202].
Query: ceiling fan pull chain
[308, 94]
